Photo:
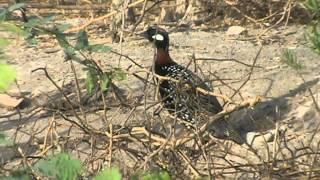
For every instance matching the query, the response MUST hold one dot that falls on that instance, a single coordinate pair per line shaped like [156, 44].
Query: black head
[158, 36]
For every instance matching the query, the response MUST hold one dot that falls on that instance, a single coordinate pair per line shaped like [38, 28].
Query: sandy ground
[286, 96]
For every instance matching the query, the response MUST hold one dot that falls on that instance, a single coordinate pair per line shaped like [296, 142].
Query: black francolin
[178, 92]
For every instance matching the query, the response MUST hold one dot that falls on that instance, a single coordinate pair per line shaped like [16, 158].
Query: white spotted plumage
[183, 102]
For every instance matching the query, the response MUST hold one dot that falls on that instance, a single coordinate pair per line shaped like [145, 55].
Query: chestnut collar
[162, 56]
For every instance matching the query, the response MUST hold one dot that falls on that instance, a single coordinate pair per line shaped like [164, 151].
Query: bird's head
[158, 36]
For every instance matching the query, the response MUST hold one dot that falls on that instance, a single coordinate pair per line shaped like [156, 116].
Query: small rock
[236, 30]
[255, 138]
[9, 102]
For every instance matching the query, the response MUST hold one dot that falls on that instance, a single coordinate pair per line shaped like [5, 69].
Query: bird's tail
[223, 130]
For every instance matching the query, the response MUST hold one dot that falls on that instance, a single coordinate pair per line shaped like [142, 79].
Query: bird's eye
[158, 37]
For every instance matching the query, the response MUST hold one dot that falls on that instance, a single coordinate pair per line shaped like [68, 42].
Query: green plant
[96, 77]
[313, 6]
[4, 140]
[7, 76]
[6, 13]
[313, 32]
[22, 174]
[313, 35]
[289, 57]
[61, 166]
[109, 174]
[162, 175]
[7, 73]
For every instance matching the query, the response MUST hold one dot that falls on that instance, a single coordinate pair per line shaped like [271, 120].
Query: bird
[178, 92]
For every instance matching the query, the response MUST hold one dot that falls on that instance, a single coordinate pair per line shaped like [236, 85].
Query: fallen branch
[74, 29]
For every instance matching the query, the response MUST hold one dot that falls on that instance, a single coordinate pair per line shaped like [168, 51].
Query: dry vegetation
[122, 126]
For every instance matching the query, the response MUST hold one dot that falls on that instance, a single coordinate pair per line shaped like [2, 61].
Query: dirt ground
[286, 98]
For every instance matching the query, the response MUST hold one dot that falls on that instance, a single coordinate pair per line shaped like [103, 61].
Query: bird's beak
[143, 34]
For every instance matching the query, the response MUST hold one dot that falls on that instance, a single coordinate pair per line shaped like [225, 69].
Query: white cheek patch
[158, 37]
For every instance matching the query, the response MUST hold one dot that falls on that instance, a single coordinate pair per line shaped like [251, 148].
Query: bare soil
[286, 97]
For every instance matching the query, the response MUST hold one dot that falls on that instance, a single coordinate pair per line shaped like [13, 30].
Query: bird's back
[180, 98]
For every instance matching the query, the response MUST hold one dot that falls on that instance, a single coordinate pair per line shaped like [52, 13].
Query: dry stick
[279, 21]
[79, 94]
[218, 116]
[201, 146]
[157, 151]
[143, 10]
[226, 84]
[73, 122]
[276, 144]
[315, 159]
[201, 90]
[60, 90]
[205, 92]
[83, 126]
[246, 16]
[37, 5]
[181, 20]
[54, 132]
[110, 145]
[47, 133]
[311, 94]
[122, 28]
[104, 103]
[250, 73]
[288, 16]
[143, 131]
[143, 13]
[268, 17]
[28, 164]
[237, 168]
[127, 57]
[145, 103]
[190, 166]
[226, 60]
[44, 151]
[74, 29]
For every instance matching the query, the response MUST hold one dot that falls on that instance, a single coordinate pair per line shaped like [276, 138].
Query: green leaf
[70, 51]
[60, 166]
[32, 41]
[99, 48]
[109, 174]
[35, 21]
[47, 19]
[119, 74]
[32, 22]
[105, 82]
[63, 42]
[82, 40]
[3, 14]
[4, 141]
[21, 174]
[4, 42]
[313, 36]
[156, 176]
[10, 27]
[7, 76]
[16, 6]
[91, 81]
[63, 27]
